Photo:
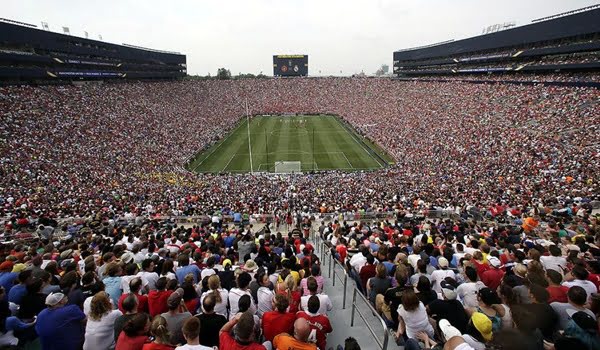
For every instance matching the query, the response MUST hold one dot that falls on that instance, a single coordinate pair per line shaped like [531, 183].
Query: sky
[341, 37]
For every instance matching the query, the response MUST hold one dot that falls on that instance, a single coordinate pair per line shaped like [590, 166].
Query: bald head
[301, 329]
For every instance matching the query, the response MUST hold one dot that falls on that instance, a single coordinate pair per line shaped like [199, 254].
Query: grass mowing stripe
[289, 139]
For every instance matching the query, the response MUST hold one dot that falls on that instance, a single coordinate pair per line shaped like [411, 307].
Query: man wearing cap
[440, 275]
[60, 326]
[176, 315]
[576, 299]
[583, 327]
[449, 308]
[493, 276]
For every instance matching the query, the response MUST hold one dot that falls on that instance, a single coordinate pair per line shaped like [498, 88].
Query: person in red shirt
[319, 324]
[479, 264]
[558, 293]
[135, 333]
[342, 250]
[157, 299]
[244, 334]
[135, 286]
[279, 320]
[367, 271]
[493, 277]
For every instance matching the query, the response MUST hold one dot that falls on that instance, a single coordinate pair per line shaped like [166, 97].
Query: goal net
[288, 167]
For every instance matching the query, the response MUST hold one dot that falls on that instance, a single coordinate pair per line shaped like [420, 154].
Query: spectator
[210, 322]
[135, 333]
[176, 315]
[298, 341]
[279, 320]
[243, 281]
[412, 317]
[325, 304]
[58, 315]
[99, 329]
[191, 332]
[317, 321]
[130, 307]
[244, 339]
[160, 333]
[157, 298]
[220, 295]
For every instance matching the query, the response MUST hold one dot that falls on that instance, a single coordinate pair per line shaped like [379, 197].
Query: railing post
[333, 280]
[345, 285]
[329, 267]
[353, 308]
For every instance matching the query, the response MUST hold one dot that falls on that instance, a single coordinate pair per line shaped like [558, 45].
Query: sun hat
[483, 324]
[250, 266]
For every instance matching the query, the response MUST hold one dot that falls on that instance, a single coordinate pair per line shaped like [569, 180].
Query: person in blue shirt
[17, 292]
[112, 283]
[184, 268]
[60, 326]
[7, 277]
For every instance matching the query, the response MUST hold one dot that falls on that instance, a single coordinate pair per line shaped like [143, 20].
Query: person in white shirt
[191, 333]
[99, 329]
[209, 270]
[325, 302]
[412, 317]
[467, 292]
[131, 271]
[243, 281]
[358, 260]
[581, 274]
[148, 274]
[264, 295]
[221, 295]
[555, 261]
[438, 276]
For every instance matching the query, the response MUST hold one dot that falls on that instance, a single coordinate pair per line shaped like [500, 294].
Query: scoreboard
[290, 65]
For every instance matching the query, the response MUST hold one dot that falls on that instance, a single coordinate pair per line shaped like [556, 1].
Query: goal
[282, 167]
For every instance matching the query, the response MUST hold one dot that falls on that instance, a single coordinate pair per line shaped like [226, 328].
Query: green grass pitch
[291, 138]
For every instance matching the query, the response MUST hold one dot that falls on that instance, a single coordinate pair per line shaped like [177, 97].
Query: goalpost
[288, 167]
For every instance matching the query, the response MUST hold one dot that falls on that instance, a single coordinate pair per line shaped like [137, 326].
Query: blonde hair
[214, 282]
[100, 306]
[290, 284]
[159, 330]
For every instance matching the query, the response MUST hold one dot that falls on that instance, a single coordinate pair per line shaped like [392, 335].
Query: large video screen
[290, 65]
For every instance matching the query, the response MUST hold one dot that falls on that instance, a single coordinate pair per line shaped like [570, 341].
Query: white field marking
[363, 147]
[229, 162]
[347, 160]
[216, 148]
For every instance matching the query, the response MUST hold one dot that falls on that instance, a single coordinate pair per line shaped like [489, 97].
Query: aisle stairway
[341, 318]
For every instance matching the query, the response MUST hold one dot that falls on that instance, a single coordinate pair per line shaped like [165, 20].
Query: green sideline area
[318, 142]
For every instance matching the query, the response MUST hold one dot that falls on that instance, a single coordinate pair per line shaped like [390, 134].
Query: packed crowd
[121, 149]
[87, 173]
[147, 287]
[441, 283]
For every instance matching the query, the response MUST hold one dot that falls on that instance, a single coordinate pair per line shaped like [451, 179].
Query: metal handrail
[383, 324]
[344, 281]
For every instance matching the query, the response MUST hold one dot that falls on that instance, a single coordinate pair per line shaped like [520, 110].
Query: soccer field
[318, 142]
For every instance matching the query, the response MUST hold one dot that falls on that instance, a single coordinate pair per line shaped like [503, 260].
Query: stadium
[454, 203]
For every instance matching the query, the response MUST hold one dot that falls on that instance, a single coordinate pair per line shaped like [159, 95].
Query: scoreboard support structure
[290, 65]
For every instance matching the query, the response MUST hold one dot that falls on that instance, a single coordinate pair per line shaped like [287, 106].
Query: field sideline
[290, 138]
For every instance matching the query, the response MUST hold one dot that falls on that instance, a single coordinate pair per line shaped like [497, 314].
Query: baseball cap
[127, 257]
[493, 261]
[226, 262]
[448, 330]
[483, 324]
[584, 320]
[443, 262]
[54, 298]
[175, 298]
[448, 290]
